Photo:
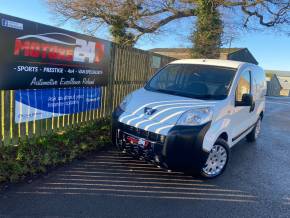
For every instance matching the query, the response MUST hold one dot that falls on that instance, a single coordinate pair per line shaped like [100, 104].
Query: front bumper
[181, 149]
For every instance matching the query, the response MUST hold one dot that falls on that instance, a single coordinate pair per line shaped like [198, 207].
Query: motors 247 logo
[59, 47]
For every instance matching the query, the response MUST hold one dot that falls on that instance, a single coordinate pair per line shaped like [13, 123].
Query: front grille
[142, 133]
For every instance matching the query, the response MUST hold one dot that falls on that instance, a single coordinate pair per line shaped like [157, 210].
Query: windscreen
[195, 81]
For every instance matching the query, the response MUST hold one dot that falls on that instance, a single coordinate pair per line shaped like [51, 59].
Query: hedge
[33, 156]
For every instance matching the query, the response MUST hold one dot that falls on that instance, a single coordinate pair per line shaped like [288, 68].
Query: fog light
[162, 138]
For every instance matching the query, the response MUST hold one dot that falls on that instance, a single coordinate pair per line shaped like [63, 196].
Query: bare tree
[128, 20]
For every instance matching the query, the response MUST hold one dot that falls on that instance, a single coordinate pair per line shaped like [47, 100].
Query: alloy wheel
[216, 161]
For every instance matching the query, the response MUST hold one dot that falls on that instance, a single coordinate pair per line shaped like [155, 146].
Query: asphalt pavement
[109, 184]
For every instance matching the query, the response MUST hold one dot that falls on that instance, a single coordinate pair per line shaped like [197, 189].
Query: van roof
[213, 62]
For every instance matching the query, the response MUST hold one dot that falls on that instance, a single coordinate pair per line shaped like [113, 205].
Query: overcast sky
[272, 50]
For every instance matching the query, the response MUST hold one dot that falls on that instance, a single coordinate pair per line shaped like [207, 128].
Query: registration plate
[138, 141]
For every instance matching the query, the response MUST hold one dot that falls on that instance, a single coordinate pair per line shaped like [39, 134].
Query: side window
[259, 80]
[244, 85]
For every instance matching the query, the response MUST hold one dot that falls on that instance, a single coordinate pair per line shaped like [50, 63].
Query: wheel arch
[211, 139]
[224, 136]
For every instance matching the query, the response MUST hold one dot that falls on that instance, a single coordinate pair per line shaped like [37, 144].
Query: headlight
[124, 103]
[196, 117]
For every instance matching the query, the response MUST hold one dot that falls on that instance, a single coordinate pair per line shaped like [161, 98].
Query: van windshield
[194, 81]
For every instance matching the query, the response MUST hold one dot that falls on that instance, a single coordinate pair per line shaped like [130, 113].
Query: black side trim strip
[238, 136]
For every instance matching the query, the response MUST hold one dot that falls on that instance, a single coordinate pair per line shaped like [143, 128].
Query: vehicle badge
[149, 111]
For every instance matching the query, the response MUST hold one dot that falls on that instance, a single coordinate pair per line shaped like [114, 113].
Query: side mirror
[247, 100]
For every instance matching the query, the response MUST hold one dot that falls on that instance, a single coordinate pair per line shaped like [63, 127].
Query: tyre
[217, 160]
[254, 134]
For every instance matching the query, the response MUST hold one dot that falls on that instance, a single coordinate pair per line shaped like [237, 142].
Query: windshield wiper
[208, 97]
[188, 95]
[172, 92]
[166, 91]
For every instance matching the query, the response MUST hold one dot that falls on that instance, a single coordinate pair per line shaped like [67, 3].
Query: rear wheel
[254, 134]
[217, 160]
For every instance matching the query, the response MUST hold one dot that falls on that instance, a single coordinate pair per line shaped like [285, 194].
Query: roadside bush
[33, 156]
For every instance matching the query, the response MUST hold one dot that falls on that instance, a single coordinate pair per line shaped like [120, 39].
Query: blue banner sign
[40, 104]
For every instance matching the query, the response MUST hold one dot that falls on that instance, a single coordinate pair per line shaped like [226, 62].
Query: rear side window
[259, 84]
[244, 85]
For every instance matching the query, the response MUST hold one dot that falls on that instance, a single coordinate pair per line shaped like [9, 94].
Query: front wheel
[217, 160]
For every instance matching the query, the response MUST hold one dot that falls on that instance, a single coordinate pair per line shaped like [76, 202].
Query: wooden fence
[130, 69]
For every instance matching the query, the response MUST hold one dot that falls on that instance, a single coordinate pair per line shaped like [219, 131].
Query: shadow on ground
[115, 174]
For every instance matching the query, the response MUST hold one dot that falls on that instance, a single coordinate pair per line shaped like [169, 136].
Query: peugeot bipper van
[191, 112]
